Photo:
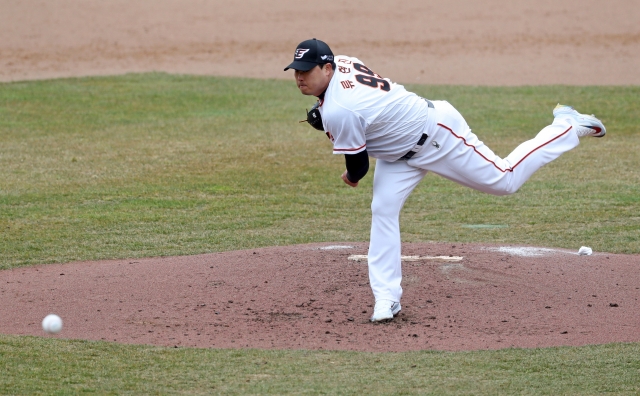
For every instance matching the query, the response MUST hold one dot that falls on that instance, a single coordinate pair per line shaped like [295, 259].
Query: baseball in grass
[52, 324]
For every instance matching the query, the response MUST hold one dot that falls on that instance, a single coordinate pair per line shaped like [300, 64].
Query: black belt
[415, 148]
[423, 139]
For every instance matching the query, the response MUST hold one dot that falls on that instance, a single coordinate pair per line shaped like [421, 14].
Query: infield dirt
[488, 42]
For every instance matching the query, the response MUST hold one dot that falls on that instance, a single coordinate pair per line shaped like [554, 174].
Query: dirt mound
[318, 297]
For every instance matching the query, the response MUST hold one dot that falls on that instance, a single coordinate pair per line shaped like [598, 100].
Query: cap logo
[327, 57]
[300, 52]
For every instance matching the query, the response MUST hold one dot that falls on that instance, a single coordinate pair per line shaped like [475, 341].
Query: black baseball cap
[309, 54]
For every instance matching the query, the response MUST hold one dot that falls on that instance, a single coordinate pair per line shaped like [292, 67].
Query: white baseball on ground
[585, 251]
[52, 324]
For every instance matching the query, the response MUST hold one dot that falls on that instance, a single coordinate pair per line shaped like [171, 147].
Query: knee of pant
[385, 208]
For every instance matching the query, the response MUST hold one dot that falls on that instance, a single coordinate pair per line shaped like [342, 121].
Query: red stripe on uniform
[349, 149]
[494, 164]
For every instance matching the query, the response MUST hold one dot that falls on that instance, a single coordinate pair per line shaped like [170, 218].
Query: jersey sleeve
[347, 131]
[357, 165]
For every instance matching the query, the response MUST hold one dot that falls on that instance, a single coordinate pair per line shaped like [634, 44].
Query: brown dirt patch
[305, 297]
[489, 42]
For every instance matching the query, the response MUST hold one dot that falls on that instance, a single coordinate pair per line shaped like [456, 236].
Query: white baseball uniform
[361, 110]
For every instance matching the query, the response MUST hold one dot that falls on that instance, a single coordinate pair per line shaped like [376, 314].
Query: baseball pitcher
[365, 115]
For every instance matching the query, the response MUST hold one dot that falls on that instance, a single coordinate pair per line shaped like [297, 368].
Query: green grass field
[35, 365]
[156, 165]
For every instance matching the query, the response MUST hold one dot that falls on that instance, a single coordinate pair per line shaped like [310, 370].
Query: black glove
[314, 118]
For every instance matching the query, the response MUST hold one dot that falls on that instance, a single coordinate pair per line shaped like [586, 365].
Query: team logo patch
[300, 52]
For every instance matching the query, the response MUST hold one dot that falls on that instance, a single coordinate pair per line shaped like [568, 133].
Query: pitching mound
[317, 296]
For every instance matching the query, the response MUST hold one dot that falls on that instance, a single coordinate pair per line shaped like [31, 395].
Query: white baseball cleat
[385, 310]
[585, 125]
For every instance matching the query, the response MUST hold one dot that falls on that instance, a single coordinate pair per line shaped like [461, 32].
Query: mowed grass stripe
[34, 365]
[157, 164]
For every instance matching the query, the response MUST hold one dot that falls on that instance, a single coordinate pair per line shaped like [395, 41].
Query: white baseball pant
[454, 152]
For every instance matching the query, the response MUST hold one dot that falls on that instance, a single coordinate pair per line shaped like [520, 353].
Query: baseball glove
[314, 118]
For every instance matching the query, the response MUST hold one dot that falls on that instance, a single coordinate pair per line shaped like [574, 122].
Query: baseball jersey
[361, 110]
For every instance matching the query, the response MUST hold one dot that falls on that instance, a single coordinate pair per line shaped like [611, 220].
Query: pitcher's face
[314, 81]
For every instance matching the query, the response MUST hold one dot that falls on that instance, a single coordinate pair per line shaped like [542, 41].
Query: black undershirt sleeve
[357, 165]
